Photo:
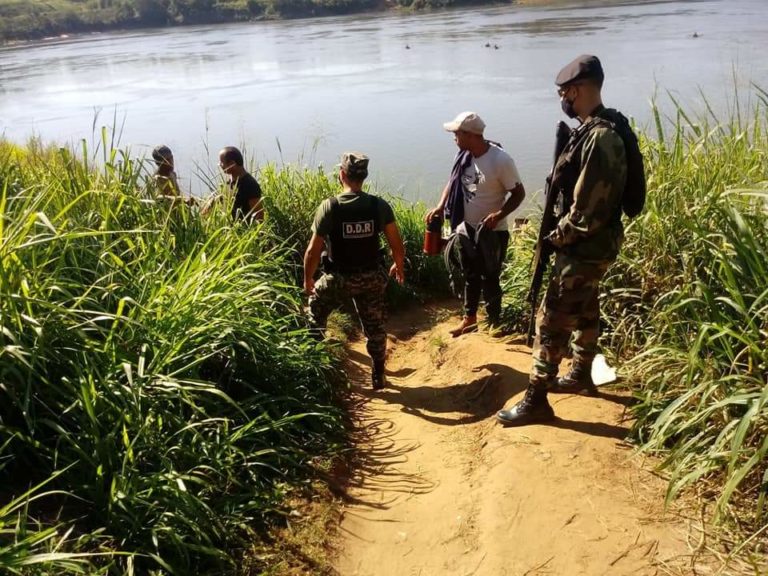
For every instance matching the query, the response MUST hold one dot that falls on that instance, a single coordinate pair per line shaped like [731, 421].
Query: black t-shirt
[246, 189]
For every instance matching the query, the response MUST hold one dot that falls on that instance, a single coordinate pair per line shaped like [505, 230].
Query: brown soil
[441, 488]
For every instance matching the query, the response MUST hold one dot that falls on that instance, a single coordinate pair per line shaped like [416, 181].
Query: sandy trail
[441, 488]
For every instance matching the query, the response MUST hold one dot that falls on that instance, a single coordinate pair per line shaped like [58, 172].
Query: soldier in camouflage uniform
[349, 225]
[590, 176]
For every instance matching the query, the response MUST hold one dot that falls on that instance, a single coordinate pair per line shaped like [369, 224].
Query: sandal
[468, 324]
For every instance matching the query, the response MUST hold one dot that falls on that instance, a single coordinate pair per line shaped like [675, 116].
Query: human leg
[368, 296]
[493, 259]
[328, 295]
[548, 348]
[555, 321]
[586, 332]
[471, 267]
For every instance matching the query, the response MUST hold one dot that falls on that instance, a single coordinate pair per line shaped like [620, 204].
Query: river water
[305, 90]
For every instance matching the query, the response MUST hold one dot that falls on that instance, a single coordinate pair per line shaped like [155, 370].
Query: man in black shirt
[247, 205]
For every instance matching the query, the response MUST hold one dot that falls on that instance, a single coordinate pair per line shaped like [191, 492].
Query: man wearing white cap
[484, 188]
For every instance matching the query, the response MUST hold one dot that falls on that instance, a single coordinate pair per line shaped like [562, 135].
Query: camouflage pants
[570, 308]
[366, 290]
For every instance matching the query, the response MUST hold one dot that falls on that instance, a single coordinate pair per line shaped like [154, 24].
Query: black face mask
[567, 106]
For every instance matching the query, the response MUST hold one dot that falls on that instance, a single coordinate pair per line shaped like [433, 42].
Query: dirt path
[443, 489]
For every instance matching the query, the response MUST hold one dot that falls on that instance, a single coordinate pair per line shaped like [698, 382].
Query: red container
[433, 237]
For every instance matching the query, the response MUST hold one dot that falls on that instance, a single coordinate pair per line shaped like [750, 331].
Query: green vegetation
[161, 401]
[685, 309]
[688, 307]
[295, 192]
[23, 19]
[159, 392]
[428, 4]
[28, 19]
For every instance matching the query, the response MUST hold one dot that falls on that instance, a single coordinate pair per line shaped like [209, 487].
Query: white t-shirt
[486, 182]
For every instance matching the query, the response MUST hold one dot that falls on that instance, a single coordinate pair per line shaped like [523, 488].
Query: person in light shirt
[484, 188]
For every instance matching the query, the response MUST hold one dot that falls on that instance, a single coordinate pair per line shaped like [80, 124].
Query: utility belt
[329, 267]
[358, 270]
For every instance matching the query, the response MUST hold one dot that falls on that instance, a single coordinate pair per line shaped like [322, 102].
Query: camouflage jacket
[591, 176]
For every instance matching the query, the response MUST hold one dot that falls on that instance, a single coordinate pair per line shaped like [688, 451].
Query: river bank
[37, 20]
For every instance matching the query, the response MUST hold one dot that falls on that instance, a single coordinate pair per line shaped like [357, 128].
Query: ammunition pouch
[326, 265]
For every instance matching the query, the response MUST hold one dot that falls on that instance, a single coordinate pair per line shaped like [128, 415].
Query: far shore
[386, 6]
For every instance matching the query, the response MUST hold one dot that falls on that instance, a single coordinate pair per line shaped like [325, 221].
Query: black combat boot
[378, 378]
[578, 380]
[533, 408]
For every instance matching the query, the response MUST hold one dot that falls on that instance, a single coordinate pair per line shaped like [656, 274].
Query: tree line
[30, 19]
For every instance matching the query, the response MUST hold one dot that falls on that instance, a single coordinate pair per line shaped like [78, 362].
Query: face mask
[567, 106]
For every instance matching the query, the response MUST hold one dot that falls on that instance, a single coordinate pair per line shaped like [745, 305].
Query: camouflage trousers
[569, 315]
[366, 290]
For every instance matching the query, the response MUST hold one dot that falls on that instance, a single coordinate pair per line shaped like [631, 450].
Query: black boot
[378, 378]
[578, 380]
[531, 409]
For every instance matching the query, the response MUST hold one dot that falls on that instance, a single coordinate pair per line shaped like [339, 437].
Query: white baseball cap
[466, 122]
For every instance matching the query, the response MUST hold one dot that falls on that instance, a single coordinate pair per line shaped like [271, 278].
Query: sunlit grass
[160, 391]
[158, 362]
[688, 306]
[294, 193]
[155, 363]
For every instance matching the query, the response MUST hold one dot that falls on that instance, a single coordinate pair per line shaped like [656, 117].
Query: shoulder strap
[375, 206]
[334, 201]
[579, 135]
[633, 198]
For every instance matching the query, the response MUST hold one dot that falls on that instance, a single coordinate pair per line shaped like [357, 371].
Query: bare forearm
[311, 262]
[513, 201]
[444, 197]
[440, 208]
[516, 196]
[395, 241]
[256, 209]
[398, 256]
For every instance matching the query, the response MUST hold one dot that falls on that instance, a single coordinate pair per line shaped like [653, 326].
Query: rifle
[548, 223]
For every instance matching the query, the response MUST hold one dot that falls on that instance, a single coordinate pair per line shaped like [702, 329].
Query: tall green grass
[157, 381]
[155, 368]
[688, 307]
[292, 195]
[155, 362]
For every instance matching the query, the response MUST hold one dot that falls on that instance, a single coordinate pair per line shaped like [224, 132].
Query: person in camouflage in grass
[590, 176]
[349, 225]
